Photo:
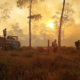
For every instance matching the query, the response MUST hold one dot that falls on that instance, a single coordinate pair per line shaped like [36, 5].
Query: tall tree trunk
[59, 35]
[30, 24]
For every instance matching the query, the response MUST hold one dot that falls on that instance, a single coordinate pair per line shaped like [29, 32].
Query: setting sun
[51, 24]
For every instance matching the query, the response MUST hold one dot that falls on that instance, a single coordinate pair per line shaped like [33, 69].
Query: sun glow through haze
[51, 25]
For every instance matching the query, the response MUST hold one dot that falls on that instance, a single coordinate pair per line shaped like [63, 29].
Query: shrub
[19, 49]
[41, 49]
[27, 48]
[29, 54]
[36, 74]
[74, 51]
[3, 71]
[14, 54]
[67, 74]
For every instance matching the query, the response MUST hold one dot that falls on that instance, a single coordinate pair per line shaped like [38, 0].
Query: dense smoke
[16, 31]
[38, 39]
[40, 33]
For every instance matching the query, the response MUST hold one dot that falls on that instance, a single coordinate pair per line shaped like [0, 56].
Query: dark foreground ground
[36, 64]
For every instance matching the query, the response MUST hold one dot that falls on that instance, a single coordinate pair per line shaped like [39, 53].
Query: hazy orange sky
[47, 9]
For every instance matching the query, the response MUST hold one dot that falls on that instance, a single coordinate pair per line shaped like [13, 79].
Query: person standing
[54, 44]
[77, 44]
[4, 33]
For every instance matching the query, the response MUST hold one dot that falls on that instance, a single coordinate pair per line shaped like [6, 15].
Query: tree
[21, 3]
[59, 35]
[4, 11]
[66, 21]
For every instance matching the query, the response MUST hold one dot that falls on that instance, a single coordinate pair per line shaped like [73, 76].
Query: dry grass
[36, 64]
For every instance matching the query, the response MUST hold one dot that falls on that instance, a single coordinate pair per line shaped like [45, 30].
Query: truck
[6, 43]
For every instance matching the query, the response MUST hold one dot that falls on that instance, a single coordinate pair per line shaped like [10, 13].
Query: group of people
[54, 44]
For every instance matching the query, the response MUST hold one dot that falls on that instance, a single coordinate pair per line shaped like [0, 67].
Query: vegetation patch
[41, 49]
[3, 70]
[14, 54]
[29, 54]
[29, 66]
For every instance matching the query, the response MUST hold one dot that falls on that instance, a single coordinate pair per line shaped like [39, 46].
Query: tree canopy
[36, 17]
[4, 11]
[21, 3]
[67, 17]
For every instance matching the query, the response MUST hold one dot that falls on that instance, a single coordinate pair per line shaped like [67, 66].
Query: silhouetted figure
[4, 33]
[54, 44]
[77, 44]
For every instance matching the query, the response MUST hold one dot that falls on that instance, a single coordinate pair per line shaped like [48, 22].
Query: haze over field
[18, 25]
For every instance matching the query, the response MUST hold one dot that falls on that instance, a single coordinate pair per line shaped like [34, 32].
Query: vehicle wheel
[4, 48]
